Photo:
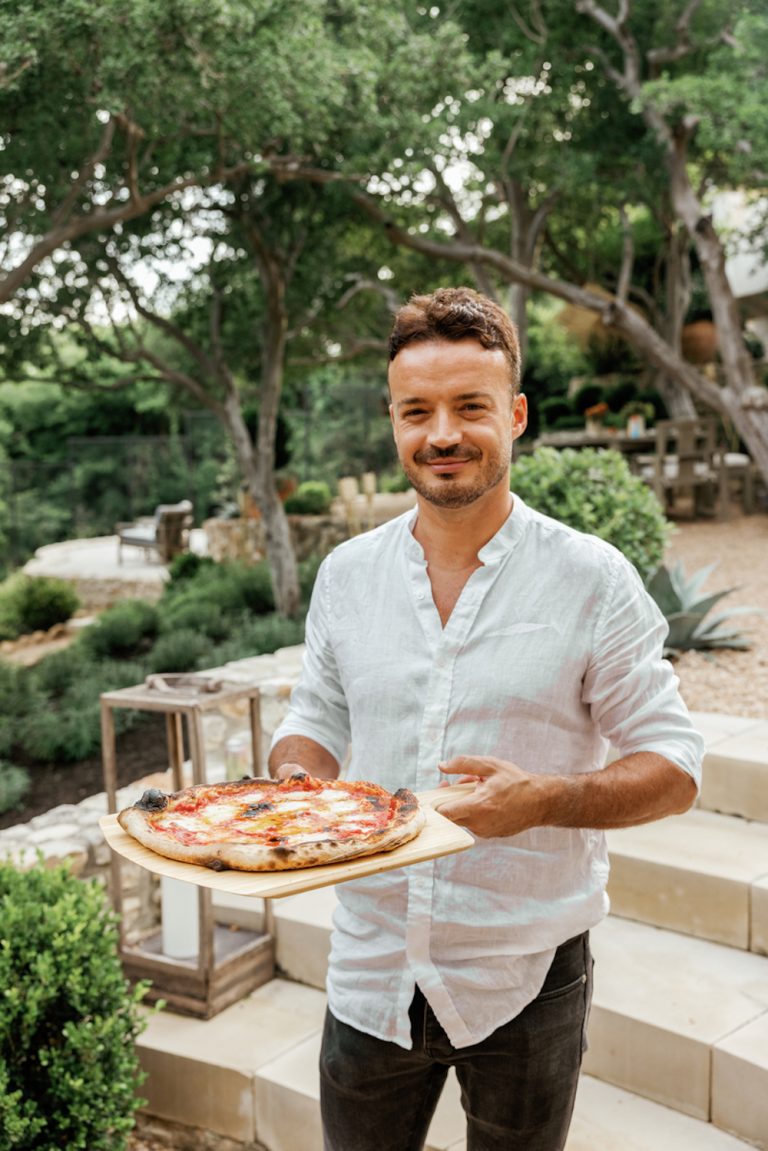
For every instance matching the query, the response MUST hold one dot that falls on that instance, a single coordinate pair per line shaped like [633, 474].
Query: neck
[452, 537]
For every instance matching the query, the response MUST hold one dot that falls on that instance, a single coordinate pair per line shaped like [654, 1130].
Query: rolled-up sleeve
[318, 708]
[631, 690]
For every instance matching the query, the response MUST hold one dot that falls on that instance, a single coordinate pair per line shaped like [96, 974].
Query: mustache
[454, 452]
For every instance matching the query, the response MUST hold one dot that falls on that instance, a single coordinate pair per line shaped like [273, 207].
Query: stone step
[700, 873]
[683, 1022]
[735, 777]
[675, 1019]
[250, 1075]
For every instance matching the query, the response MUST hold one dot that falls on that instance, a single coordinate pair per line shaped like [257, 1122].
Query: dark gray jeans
[518, 1086]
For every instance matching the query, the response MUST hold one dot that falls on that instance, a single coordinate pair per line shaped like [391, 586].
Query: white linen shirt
[552, 650]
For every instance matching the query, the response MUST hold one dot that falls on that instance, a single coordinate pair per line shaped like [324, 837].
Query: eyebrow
[461, 396]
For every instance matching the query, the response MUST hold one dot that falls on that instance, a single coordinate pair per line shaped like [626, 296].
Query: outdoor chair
[687, 466]
[166, 532]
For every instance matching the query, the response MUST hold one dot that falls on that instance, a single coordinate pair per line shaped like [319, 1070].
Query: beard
[452, 491]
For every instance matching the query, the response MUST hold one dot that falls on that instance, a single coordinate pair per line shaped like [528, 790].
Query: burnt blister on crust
[153, 799]
[407, 800]
[216, 865]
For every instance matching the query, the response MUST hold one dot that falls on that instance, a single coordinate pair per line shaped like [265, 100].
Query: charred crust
[152, 800]
[216, 865]
[407, 801]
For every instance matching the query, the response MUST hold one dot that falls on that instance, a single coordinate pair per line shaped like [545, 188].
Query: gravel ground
[732, 682]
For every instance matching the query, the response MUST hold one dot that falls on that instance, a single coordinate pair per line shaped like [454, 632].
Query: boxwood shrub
[68, 1020]
[594, 491]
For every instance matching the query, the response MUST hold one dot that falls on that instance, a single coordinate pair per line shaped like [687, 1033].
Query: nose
[445, 429]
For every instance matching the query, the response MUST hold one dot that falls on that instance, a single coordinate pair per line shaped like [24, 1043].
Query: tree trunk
[678, 401]
[280, 553]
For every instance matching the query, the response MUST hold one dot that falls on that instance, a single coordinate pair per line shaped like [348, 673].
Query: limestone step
[683, 1022]
[679, 1020]
[250, 1074]
[735, 777]
[701, 873]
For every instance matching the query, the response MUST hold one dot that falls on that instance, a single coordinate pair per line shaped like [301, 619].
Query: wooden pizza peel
[437, 838]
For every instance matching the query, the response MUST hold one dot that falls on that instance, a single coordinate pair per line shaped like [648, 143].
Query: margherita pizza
[262, 825]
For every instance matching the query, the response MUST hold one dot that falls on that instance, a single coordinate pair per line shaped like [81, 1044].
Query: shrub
[311, 498]
[398, 482]
[622, 393]
[260, 636]
[594, 491]
[55, 674]
[554, 408]
[122, 630]
[182, 650]
[36, 603]
[17, 699]
[14, 785]
[187, 565]
[587, 396]
[196, 615]
[233, 586]
[68, 1021]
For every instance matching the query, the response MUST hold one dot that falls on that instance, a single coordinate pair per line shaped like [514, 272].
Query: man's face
[454, 419]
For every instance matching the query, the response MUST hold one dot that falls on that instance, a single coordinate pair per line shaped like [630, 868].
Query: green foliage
[35, 603]
[553, 409]
[233, 586]
[620, 394]
[182, 650]
[125, 629]
[594, 491]
[397, 482]
[312, 498]
[187, 565]
[196, 614]
[68, 1020]
[685, 609]
[260, 636]
[587, 396]
[14, 785]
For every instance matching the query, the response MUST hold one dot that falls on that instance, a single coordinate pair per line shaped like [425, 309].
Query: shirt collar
[498, 546]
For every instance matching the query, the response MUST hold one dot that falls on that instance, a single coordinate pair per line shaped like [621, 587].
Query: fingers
[289, 770]
[473, 766]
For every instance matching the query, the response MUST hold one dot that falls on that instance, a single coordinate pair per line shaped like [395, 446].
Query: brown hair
[457, 314]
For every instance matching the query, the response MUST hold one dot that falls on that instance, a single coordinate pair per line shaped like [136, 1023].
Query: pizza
[262, 825]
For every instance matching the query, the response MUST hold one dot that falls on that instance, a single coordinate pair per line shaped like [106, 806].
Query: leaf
[661, 588]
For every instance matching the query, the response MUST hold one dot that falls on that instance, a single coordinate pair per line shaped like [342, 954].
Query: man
[474, 640]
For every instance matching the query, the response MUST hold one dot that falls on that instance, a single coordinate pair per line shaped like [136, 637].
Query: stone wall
[244, 538]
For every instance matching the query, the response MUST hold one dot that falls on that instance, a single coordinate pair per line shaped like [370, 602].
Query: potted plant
[594, 417]
[635, 417]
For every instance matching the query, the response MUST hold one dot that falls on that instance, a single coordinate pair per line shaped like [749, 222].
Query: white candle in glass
[180, 919]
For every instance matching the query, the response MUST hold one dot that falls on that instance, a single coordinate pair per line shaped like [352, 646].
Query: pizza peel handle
[441, 795]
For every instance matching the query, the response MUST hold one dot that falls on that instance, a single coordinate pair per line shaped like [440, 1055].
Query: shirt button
[419, 595]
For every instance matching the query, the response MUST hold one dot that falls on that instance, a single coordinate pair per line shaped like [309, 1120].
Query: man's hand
[638, 788]
[506, 800]
[286, 770]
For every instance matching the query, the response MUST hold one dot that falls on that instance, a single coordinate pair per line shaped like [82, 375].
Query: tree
[659, 71]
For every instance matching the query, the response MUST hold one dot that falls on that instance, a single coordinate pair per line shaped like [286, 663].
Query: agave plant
[678, 597]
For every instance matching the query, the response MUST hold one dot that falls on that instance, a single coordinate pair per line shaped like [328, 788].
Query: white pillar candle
[180, 919]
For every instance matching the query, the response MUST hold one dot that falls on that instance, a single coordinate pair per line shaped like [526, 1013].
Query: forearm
[506, 800]
[306, 753]
[636, 789]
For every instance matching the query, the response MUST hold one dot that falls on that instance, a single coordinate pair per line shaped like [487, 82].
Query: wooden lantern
[198, 966]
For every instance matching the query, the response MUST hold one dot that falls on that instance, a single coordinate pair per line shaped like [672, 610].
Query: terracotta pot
[699, 343]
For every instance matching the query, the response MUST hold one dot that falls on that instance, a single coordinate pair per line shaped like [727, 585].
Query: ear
[392, 421]
[519, 415]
